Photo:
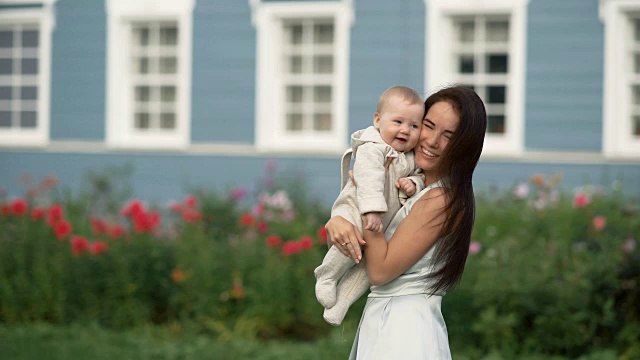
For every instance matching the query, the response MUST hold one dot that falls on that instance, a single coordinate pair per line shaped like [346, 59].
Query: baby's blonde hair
[408, 94]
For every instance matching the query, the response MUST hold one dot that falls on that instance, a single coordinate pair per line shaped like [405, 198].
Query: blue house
[204, 92]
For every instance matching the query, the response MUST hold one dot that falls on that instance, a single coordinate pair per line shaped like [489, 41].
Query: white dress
[400, 319]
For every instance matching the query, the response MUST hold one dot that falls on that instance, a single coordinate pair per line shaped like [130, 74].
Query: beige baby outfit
[376, 168]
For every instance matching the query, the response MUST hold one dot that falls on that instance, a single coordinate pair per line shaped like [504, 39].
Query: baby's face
[399, 123]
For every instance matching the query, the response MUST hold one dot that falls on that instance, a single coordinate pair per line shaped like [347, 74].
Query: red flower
[322, 235]
[19, 207]
[116, 231]
[62, 229]
[98, 247]
[79, 245]
[191, 215]
[37, 213]
[145, 222]
[581, 200]
[98, 226]
[247, 219]
[48, 182]
[133, 208]
[263, 227]
[5, 210]
[274, 240]
[177, 275]
[175, 207]
[291, 247]
[55, 213]
[190, 201]
[306, 242]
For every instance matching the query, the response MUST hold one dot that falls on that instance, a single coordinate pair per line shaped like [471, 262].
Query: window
[621, 125]
[25, 58]
[302, 75]
[481, 44]
[149, 73]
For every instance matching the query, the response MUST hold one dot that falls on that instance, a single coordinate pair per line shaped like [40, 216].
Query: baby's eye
[414, 126]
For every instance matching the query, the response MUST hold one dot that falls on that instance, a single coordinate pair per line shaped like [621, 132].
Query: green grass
[47, 342]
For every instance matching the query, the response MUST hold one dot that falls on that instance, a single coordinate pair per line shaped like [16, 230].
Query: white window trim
[440, 69]
[617, 141]
[44, 16]
[266, 18]
[119, 132]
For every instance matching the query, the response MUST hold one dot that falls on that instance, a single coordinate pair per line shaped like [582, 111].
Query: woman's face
[438, 126]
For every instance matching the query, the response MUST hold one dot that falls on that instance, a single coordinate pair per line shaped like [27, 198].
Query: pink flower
[116, 231]
[629, 245]
[99, 226]
[37, 213]
[291, 247]
[133, 208]
[247, 219]
[238, 193]
[322, 235]
[475, 247]
[521, 191]
[599, 222]
[175, 207]
[270, 165]
[581, 200]
[258, 210]
[191, 215]
[190, 201]
[263, 227]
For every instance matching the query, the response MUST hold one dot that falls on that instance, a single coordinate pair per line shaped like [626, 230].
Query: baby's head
[399, 117]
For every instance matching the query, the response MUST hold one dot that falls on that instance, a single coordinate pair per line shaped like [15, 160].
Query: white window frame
[267, 19]
[120, 131]
[440, 70]
[617, 140]
[45, 18]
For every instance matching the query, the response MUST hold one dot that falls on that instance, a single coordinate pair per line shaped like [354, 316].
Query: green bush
[549, 273]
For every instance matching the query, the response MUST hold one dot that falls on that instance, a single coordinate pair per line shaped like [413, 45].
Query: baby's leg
[353, 285]
[333, 266]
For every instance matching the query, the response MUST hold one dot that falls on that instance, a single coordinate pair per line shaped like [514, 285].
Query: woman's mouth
[429, 153]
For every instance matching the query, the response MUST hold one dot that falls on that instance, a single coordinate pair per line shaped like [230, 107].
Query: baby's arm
[369, 173]
[407, 186]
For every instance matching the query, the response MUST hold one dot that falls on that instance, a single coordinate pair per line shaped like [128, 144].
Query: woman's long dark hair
[456, 168]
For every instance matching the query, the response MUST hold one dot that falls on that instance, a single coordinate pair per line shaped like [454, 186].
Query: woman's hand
[345, 237]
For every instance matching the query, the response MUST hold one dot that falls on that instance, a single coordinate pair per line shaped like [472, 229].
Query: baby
[385, 173]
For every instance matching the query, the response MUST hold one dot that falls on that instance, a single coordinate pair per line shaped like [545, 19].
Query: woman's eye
[397, 121]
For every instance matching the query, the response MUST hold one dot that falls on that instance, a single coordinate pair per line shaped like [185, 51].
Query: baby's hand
[374, 221]
[406, 185]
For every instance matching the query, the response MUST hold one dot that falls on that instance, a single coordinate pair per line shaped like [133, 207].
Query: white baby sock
[353, 285]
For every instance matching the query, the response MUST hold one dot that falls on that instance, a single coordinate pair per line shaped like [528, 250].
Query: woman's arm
[415, 235]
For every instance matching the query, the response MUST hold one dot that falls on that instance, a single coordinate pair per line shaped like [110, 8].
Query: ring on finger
[343, 244]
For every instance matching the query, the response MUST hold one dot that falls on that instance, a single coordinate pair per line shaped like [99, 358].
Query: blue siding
[387, 48]
[565, 50]
[78, 70]
[163, 177]
[224, 64]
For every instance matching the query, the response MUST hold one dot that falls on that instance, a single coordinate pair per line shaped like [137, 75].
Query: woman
[428, 238]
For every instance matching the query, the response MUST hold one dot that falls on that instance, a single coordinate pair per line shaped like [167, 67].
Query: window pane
[323, 33]
[6, 39]
[495, 124]
[322, 122]
[636, 125]
[467, 30]
[496, 94]
[30, 39]
[30, 66]
[294, 94]
[169, 35]
[168, 65]
[28, 119]
[635, 98]
[141, 65]
[498, 31]
[294, 34]
[29, 93]
[322, 94]
[5, 93]
[168, 93]
[323, 64]
[167, 121]
[142, 93]
[294, 122]
[497, 64]
[636, 63]
[295, 64]
[466, 64]
[636, 26]
[5, 119]
[142, 121]
[6, 66]
[141, 36]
